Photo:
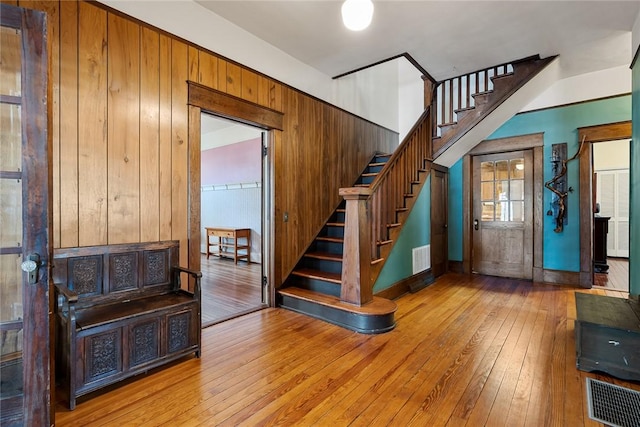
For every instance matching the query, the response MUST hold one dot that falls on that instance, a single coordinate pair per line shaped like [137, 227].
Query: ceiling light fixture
[357, 14]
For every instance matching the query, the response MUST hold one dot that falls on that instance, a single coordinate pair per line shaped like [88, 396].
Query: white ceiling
[447, 38]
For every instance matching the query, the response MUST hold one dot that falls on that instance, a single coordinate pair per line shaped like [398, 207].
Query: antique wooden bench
[120, 311]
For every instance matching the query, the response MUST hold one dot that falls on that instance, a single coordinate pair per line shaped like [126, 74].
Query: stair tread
[375, 165]
[335, 224]
[324, 255]
[362, 185]
[318, 274]
[501, 76]
[396, 224]
[384, 242]
[330, 239]
[402, 209]
[370, 174]
[486, 92]
[441, 125]
[376, 307]
[460, 110]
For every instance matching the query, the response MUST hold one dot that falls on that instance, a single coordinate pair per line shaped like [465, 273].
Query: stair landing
[373, 318]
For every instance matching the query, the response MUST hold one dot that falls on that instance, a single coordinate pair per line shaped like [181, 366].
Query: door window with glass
[502, 190]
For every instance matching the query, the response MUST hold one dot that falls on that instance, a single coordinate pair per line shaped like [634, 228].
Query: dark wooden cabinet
[600, 230]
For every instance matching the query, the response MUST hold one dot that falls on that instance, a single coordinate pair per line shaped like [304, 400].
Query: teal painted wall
[415, 232]
[561, 251]
[634, 212]
[455, 212]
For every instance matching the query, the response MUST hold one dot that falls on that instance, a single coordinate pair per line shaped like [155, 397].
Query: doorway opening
[232, 217]
[611, 210]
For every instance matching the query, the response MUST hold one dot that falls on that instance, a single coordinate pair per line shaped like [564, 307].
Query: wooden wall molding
[456, 267]
[512, 143]
[605, 132]
[590, 135]
[231, 107]
[562, 277]
[409, 284]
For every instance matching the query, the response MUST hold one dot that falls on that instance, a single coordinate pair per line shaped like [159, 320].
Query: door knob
[32, 267]
[475, 224]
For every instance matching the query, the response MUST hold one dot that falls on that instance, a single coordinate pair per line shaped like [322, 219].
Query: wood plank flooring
[617, 276]
[467, 351]
[229, 289]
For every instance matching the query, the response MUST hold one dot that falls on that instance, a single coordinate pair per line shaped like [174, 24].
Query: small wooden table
[227, 243]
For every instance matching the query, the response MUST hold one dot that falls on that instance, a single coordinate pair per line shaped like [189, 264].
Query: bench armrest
[197, 275]
[69, 295]
[194, 273]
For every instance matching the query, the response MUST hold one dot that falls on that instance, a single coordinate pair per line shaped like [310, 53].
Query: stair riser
[331, 247]
[338, 217]
[361, 324]
[365, 180]
[374, 169]
[315, 285]
[322, 265]
[330, 231]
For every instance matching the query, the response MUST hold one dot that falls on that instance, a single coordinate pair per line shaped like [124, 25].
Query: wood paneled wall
[122, 143]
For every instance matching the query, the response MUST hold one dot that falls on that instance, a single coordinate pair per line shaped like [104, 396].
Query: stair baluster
[372, 214]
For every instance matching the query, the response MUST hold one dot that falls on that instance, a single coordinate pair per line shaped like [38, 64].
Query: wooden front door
[25, 382]
[503, 214]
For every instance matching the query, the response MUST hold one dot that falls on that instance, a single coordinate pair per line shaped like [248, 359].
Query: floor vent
[613, 405]
[421, 258]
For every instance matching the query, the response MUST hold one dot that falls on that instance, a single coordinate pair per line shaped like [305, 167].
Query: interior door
[439, 217]
[503, 214]
[613, 197]
[25, 387]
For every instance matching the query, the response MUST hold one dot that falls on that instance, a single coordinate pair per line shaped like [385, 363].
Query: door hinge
[264, 281]
[264, 151]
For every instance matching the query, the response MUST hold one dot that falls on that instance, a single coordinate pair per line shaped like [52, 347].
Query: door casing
[534, 142]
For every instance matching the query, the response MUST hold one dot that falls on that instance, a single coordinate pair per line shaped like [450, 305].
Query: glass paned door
[24, 220]
[502, 228]
[11, 308]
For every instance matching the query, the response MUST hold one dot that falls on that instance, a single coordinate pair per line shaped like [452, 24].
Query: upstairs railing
[456, 94]
[372, 212]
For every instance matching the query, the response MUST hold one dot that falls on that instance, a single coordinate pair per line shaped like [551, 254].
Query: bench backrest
[108, 273]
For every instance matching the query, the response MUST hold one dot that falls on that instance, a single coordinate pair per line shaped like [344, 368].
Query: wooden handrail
[371, 213]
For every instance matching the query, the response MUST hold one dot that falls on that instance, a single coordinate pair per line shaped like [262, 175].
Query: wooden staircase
[314, 286]
[334, 279]
[464, 101]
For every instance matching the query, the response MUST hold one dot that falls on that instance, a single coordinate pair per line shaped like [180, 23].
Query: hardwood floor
[467, 351]
[617, 276]
[229, 289]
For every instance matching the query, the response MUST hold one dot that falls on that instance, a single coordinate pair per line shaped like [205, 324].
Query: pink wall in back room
[233, 164]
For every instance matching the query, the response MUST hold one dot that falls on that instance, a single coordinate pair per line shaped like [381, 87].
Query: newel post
[356, 258]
